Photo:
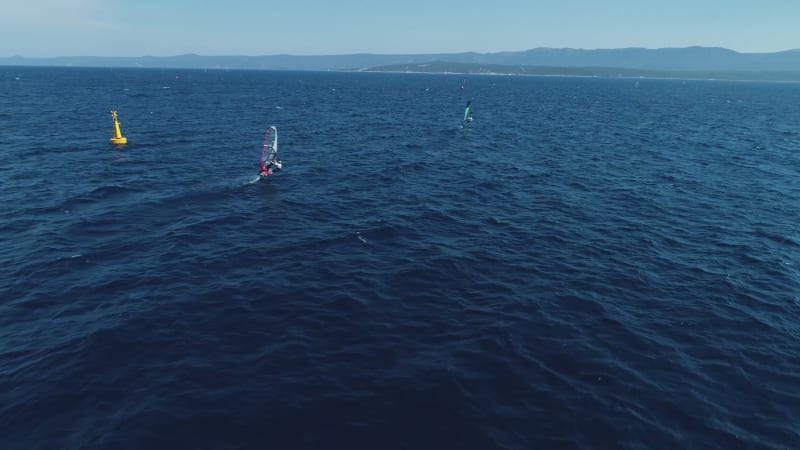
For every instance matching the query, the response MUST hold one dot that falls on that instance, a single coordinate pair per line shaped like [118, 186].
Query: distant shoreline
[588, 72]
[682, 63]
[492, 70]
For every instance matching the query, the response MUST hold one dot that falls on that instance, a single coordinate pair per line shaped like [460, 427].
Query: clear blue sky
[37, 28]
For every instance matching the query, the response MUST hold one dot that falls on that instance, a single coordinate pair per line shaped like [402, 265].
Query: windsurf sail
[269, 152]
[468, 112]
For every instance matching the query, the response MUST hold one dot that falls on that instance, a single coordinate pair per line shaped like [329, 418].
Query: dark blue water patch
[591, 263]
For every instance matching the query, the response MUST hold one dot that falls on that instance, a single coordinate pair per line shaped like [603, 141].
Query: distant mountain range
[664, 59]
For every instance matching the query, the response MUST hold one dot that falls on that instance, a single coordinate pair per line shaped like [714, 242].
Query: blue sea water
[591, 263]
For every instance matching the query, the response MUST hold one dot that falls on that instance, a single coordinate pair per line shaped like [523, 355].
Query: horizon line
[404, 54]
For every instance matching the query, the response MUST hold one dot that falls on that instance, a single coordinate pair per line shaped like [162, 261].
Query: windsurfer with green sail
[468, 112]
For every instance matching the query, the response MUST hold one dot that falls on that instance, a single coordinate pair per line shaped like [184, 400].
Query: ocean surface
[590, 264]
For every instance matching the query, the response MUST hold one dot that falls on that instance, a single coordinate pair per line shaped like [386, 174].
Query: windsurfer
[269, 163]
[270, 167]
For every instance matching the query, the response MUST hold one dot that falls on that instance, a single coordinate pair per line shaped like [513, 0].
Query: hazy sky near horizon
[42, 28]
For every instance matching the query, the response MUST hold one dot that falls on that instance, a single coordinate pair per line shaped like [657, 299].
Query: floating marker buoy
[118, 138]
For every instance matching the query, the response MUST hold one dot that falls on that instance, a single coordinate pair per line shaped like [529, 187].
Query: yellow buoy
[118, 137]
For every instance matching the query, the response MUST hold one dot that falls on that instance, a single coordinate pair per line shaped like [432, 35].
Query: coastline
[590, 72]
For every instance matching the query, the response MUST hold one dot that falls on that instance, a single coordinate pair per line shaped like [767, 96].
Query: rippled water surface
[591, 263]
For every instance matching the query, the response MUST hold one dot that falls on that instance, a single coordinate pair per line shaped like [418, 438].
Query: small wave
[111, 190]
